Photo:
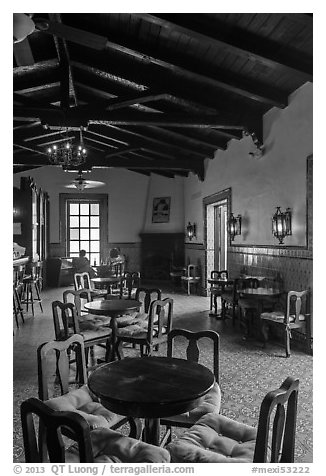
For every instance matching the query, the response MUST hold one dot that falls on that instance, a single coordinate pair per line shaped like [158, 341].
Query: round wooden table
[151, 388]
[112, 308]
[220, 283]
[260, 297]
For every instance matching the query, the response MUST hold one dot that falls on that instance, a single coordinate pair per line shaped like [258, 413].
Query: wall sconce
[191, 231]
[282, 224]
[234, 226]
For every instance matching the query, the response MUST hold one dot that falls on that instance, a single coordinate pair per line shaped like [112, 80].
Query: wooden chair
[78, 398]
[148, 333]
[78, 298]
[212, 400]
[229, 300]
[33, 283]
[287, 321]
[215, 290]
[218, 439]
[98, 446]
[66, 323]
[247, 306]
[191, 277]
[83, 281]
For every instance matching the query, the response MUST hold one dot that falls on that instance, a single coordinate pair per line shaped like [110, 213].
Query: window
[84, 225]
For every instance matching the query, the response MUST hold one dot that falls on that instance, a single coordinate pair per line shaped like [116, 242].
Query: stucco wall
[258, 186]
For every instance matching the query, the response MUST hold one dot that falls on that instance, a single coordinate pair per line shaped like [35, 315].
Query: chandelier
[67, 154]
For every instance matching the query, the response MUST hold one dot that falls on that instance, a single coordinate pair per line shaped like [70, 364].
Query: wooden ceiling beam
[219, 79]
[245, 45]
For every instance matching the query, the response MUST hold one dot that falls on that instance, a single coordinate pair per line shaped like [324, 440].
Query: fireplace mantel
[159, 252]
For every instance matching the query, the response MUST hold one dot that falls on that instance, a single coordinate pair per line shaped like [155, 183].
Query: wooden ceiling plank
[229, 83]
[238, 43]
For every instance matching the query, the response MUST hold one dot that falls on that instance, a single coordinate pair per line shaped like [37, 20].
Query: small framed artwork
[161, 210]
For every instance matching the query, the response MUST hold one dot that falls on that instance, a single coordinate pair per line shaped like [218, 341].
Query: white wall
[130, 199]
[258, 186]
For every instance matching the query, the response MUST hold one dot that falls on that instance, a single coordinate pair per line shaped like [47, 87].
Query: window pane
[74, 233]
[84, 209]
[74, 246]
[74, 208]
[95, 246]
[95, 222]
[73, 255]
[95, 233]
[84, 245]
[95, 208]
[84, 222]
[84, 233]
[94, 258]
[74, 222]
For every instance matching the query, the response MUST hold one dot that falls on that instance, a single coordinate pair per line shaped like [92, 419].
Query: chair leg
[211, 302]
[287, 342]
[38, 296]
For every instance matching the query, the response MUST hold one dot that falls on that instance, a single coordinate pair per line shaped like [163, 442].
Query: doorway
[216, 216]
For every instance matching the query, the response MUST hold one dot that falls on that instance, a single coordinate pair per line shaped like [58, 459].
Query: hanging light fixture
[191, 231]
[234, 226]
[67, 155]
[282, 224]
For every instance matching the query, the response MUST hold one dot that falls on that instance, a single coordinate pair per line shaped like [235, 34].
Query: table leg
[151, 432]
[113, 353]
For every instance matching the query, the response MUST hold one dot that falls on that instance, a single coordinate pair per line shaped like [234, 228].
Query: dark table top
[111, 307]
[151, 387]
[260, 292]
[220, 281]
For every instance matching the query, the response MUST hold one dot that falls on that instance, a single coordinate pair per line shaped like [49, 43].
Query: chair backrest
[54, 422]
[293, 305]
[147, 295]
[249, 283]
[129, 281]
[82, 281]
[71, 295]
[61, 351]
[64, 319]
[277, 424]
[160, 318]
[192, 348]
[223, 274]
[192, 271]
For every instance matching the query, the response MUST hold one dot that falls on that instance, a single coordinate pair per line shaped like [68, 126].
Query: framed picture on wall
[161, 210]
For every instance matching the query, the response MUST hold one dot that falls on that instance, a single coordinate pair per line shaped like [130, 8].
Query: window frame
[65, 198]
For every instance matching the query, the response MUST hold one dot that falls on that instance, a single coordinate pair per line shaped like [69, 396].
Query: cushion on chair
[90, 332]
[215, 439]
[110, 446]
[211, 404]
[80, 401]
[127, 319]
[278, 316]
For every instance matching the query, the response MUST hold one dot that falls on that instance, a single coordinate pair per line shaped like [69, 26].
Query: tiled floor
[247, 370]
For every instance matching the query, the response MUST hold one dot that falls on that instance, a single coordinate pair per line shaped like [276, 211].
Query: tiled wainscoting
[293, 266]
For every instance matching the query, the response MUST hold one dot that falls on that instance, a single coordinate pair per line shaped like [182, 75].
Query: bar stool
[18, 288]
[33, 283]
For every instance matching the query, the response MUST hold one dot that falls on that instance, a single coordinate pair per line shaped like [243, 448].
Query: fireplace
[159, 252]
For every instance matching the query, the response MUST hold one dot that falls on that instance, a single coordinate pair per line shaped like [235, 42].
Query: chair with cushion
[287, 321]
[79, 298]
[150, 332]
[191, 277]
[83, 281]
[102, 445]
[54, 356]
[212, 400]
[67, 323]
[145, 296]
[216, 290]
[218, 439]
[33, 285]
